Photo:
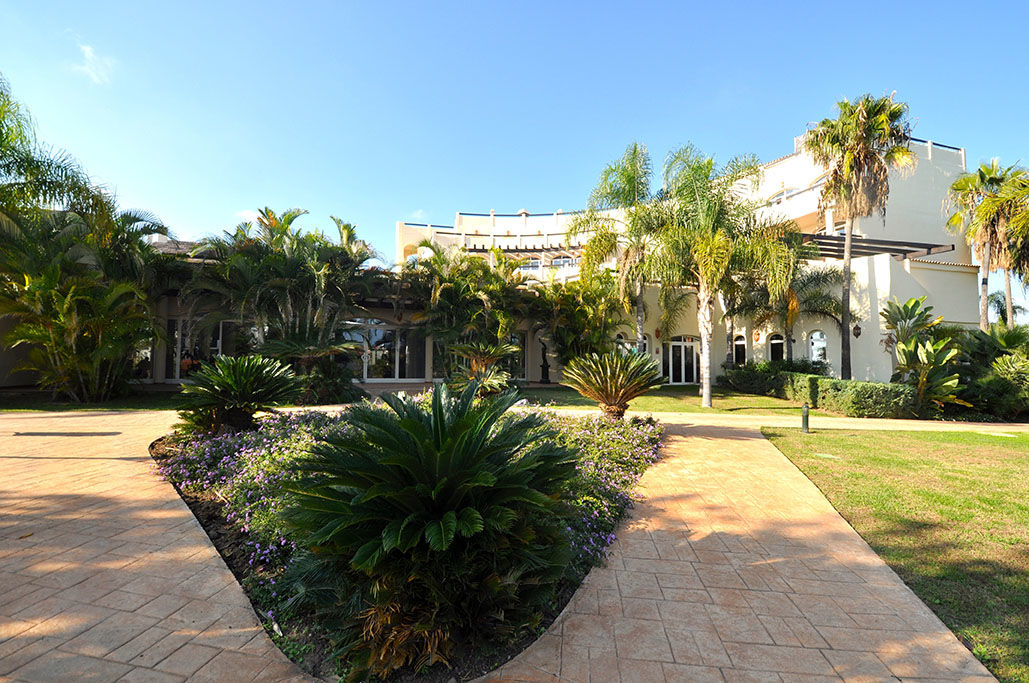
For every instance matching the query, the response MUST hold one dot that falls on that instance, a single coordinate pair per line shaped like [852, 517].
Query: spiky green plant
[612, 379]
[480, 366]
[229, 391]
[445, 518]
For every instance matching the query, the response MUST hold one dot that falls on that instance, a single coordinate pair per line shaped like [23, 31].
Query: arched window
[782, 194]
[818, 346]
[775, 347]
[628, 344]
[739, 350]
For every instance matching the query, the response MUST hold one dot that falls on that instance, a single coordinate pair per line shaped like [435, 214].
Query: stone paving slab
[105, 575]
[736, 568]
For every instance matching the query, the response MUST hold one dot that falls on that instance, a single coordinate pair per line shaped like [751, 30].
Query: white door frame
[686, 347]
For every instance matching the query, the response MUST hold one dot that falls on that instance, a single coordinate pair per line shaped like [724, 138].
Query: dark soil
[209, 510]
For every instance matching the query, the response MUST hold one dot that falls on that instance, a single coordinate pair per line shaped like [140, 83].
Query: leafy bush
[446, 519]
[227, 392]
[850, 397]
[866, 399]
[612, 379]
[929, 367]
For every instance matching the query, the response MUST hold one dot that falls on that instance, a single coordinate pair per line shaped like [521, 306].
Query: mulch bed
[318, 660]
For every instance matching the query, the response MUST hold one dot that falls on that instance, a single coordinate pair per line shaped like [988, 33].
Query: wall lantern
[857, 331]
[657, 333]
[757, 336]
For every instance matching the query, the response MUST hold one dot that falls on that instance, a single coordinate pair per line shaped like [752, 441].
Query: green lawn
[949, 512]
[680, 399]
[150, 400]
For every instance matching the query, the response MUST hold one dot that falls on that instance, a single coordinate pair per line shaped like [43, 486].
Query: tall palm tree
[859, 147]
[997, 225]
[983, 218]
[714, 233]
[811, 294]
[623, 219]
[1004, 307]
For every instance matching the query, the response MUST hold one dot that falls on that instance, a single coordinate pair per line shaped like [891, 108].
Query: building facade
[905, 253]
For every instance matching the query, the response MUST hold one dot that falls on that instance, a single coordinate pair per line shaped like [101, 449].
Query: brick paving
[735, 567]
[105, 575]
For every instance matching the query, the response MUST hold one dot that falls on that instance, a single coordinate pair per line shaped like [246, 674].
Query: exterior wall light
[857, 331]
[757, 336]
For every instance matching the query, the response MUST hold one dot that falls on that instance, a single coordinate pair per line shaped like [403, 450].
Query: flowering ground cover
[239, 486]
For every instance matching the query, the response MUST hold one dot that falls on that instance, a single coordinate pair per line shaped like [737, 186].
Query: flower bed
[243, 480]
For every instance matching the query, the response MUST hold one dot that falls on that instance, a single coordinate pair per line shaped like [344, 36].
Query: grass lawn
[949, 512]
[38, 402]
[679, 399]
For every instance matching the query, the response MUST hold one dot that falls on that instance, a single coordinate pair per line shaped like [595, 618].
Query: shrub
[481, 366]
[227, 392]
[428, 527]
[866, 399]
[612, 379]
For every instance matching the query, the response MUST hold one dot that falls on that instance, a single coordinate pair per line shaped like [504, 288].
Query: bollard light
[804, 418]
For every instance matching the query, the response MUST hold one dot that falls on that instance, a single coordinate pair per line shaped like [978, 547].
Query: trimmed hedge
[849, 397]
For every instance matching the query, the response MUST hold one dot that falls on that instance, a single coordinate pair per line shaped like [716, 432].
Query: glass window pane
[381, 353]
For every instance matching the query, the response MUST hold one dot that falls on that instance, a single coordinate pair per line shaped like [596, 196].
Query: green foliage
[443, 521]
[849, 397]
[866, 399]
[579, 317]
[228, 391]
[322, 368]
[297, 288]
[907, 321]
[929, 367]
[612, 379]
[481, 366]
[81, 331]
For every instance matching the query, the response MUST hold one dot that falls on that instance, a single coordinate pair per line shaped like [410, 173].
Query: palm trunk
[730, 335]
[641, 339]
[789, 344]
[1008, 303]
[705, 322]
[845, 301]
[984, 291]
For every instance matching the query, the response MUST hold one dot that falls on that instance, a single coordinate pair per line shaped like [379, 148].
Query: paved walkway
[736, 568]
[105, 574]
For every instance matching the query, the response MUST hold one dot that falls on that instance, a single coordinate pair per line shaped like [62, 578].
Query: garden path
[735, 567]
[104, 572]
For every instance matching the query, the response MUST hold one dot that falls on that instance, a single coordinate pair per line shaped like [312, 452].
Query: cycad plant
[229, 391]
[481, 366]
[443, 520]
[612, 379]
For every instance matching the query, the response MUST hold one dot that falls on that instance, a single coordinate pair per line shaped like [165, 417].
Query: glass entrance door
[680, 362]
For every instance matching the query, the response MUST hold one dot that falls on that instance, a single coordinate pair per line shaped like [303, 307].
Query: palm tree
[623, 219]
[868, 138]
[983, 216]
[1003, 307]
[713, 234]
[810, 294]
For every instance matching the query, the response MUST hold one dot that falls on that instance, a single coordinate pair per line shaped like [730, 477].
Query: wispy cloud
[96, 68]
[247, 215]
[417, 215]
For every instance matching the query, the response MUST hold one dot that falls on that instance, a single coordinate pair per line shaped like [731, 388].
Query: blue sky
[378, 112]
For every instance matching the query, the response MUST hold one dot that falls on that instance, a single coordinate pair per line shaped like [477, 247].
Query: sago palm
[446, 518]
[859, 148]
[612, 379]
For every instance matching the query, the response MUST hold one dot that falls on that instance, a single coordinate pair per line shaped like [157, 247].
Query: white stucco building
[911, 253]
